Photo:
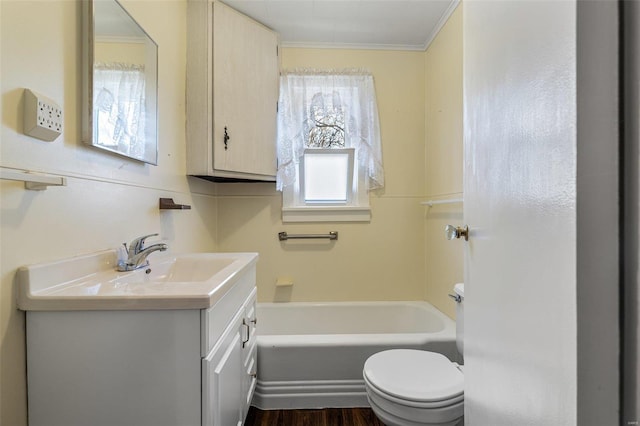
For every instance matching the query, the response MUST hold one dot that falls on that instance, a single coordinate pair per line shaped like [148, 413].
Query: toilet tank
[459, 290]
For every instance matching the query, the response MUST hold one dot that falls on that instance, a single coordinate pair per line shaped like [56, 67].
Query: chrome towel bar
[283, 236]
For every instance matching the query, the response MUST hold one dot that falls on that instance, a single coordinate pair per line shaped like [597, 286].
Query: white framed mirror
[120, 75]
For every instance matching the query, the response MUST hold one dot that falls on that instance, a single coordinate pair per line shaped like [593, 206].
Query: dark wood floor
[324, 417]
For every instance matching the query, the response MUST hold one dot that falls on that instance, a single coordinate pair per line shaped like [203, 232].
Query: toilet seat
[414, 376]
[408, 387]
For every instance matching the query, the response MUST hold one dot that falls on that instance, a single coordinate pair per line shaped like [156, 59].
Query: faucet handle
[137, 245]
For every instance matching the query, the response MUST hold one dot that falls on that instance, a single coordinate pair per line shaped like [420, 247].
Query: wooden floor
[324, 417]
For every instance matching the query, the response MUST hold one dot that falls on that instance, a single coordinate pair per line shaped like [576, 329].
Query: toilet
[409, 387]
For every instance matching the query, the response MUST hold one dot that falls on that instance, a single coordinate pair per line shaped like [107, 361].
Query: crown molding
[441, 23]
[355, 46]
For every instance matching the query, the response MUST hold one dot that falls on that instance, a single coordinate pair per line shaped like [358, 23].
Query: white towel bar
[432, 203]
[33, 181]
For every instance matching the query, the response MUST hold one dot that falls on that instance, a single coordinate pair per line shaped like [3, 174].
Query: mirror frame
[88, 64]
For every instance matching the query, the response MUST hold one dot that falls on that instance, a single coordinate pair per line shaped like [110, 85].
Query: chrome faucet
[137, 253]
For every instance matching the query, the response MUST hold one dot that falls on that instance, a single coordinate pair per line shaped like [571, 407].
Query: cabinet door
[222, 391]
[245, 93]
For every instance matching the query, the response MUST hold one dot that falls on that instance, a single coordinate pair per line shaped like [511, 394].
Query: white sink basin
[184, 269]
[188, 281]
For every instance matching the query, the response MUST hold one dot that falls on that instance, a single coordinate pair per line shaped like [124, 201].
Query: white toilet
[408, 387]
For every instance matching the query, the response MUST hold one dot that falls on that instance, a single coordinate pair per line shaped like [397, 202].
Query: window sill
[326, 214]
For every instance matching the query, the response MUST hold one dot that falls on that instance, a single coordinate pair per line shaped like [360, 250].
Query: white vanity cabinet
[162, 367]
[232, 94]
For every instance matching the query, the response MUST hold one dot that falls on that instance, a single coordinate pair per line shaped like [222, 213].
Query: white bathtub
[311, 355]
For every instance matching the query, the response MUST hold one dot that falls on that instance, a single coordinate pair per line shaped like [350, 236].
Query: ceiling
[112, 20]
[373, 24]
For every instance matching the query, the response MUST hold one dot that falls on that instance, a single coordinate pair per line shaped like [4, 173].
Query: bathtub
[311, 355]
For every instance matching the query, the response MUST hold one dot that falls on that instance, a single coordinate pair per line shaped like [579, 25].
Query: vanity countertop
[91, 282]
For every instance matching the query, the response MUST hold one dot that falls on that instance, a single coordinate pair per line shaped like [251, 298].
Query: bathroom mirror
[120, 74]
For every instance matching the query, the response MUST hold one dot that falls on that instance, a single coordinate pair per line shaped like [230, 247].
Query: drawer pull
[254, 321]
[244, 342]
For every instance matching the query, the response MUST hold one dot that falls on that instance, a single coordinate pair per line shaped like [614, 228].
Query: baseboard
[279, 395]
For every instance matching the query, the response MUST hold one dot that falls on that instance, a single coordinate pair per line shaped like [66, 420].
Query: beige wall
[443, 161]
[402, 254]
[108, 199]
[381, 260]
[120, 52]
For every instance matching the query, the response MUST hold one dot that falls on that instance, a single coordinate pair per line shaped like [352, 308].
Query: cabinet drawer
[251, 381]
[250, 321]
[215, 320]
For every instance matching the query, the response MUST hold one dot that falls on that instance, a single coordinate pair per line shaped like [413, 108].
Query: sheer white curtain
[330, 108]
[119, 107]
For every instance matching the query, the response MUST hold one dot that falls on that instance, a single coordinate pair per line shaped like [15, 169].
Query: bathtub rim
[422, 303]
[448, 330]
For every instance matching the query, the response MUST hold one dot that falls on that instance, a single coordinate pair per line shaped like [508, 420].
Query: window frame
[356, 208]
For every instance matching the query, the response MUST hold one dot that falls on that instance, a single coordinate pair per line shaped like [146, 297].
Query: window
[326, 176]
[329, 153]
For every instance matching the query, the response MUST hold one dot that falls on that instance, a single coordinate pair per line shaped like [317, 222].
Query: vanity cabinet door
[222, 390]
[245, 93]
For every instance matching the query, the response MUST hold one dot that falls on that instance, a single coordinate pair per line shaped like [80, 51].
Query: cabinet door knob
[226, 138]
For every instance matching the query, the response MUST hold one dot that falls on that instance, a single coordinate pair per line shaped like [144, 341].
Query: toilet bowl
[408, 387]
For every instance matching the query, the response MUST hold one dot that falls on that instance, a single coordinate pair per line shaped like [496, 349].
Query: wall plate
[42, 116]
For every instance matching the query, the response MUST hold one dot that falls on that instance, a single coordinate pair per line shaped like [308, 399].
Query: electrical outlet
[42, 116]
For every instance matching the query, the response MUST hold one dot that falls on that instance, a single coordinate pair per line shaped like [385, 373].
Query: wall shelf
[33, 181]
[169, 204]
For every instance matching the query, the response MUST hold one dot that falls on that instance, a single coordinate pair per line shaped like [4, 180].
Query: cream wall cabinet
[232, 94]
[156, 368]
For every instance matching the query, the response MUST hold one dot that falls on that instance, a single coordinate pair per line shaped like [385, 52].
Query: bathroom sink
[91, 282]
[180, 269]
